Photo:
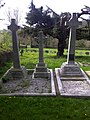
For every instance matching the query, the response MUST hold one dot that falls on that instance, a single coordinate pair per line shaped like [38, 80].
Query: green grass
[4, 49]
[4, 68]
[30, 59]
[45, 108]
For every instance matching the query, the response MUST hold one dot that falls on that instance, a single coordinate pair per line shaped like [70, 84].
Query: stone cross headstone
[41, 70]
[70, 70]
[13, 27]
[73, 24]
[17, 71]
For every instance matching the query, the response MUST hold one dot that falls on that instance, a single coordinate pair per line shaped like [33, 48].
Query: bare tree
[13, 13]
[9, 15]
[1, 4]
[17, 15]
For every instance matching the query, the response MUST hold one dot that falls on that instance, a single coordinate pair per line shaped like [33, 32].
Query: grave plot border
[60, 85]
[53, 90]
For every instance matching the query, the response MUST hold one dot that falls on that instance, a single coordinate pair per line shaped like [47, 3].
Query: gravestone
[73, 24]
[17, 71]
[13, 27]
[81, 53]
[71, 68]
[41, 70]
[87, 53]
[22, 51]
[46, 51]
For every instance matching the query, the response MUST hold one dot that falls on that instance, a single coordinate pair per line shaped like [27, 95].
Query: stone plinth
[71, 72]
[14, 74]
[41, 72]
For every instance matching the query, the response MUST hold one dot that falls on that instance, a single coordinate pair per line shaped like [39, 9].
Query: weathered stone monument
[41, 70]
[70, 69]
[17, 71]
[71, 79]
[13, 27]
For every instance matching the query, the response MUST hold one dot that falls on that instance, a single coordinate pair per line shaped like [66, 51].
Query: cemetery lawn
[45, 108]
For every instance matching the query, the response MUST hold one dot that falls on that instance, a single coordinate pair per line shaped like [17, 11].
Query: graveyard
[72, 80]
[45, 83]
[37, 107]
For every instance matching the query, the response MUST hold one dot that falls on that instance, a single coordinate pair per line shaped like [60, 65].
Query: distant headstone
[41, 70]
[22, 51]
[80, 53]
[51, 51]
[87, 53]
[34, 50]
[54, 51]
[46, 51]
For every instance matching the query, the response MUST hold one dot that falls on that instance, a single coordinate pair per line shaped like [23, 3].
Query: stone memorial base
[41, 71]
[14, 74]
[71, 71]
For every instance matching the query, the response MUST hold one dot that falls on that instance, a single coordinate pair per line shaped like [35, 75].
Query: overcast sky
[57, 5]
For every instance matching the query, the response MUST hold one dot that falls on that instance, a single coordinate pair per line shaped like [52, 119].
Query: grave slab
[73, 88]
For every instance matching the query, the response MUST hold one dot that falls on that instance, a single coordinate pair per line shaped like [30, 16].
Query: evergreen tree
[53, 25]
[38, 17]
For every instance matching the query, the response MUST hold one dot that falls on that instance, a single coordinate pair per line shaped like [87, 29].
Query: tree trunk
[61, 41]
[61, 46]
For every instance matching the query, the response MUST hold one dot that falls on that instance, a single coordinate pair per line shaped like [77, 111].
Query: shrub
[4, 79]
[83, 43]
